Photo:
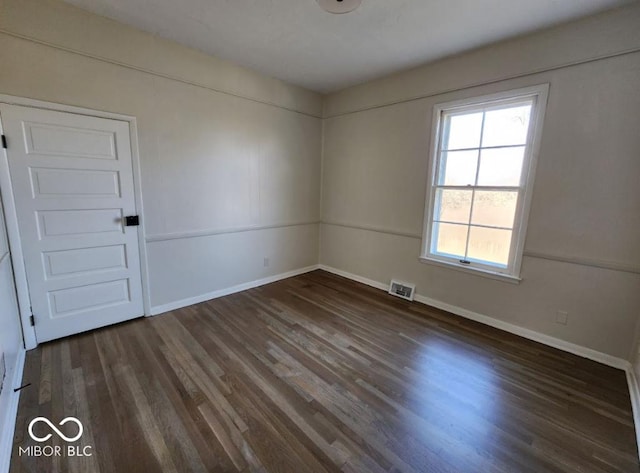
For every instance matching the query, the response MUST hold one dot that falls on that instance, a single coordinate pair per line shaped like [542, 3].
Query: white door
[72, 180]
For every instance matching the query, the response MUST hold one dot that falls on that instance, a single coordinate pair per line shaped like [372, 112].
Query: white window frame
[511, 273]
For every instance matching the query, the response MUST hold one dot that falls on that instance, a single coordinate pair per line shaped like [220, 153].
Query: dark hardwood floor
[320, 374]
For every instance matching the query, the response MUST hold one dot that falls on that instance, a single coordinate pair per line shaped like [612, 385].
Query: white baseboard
[355, 277]
[8, 429]
[548, 340]
[605, 359]
[507, 327]
[161, 309]
[578, 350]
[9, 426]
[634, 392]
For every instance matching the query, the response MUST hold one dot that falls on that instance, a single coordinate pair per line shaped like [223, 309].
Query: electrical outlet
[562, 317]
[266, 262]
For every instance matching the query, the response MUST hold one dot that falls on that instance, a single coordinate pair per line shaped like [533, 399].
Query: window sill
[473, 271]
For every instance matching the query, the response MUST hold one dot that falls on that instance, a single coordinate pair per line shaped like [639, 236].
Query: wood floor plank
[317, 373]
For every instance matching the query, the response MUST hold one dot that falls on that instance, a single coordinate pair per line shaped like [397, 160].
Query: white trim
[473, 85]
[563, 345]
[539, 95]
[137, 193]
[529, 334]
[7, 430]
[15, 244]
[472, 271]
[60, 107]
[579, 260]
[222, 231]
[605, 359]
[161, 309]
[161, 74]
[373, 228]
[593, 263]
[634, 394]
[354, 277]
[15, 247]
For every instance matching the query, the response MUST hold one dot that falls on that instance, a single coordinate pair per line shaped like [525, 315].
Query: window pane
[453, 206]
[506, 126]
[462, 131]
[449, 239]
[501, 166]
[494, 208]
[458, 168]
[489, 245]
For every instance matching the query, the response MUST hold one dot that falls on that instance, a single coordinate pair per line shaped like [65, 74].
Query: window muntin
[480, 182]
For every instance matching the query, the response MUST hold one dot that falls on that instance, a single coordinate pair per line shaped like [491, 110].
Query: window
[482, 167]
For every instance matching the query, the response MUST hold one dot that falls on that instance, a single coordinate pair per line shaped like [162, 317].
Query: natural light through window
[481, 180]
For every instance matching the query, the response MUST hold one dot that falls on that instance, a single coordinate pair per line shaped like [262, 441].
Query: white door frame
[11, 216]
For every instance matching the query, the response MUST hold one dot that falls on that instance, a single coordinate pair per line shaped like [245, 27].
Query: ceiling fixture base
[339, 6]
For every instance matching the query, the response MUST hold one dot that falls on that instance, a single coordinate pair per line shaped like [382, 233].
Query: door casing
[15, 244]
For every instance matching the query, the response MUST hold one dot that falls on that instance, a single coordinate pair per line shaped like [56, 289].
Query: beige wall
[602, 35]
[231, 163]
[586, 202]
[60, 24]
[222, 149]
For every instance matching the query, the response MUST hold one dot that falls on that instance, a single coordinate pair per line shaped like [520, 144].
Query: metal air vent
[402, 289]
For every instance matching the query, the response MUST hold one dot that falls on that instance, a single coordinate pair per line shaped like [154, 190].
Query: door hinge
[4, 142]
[32, 320]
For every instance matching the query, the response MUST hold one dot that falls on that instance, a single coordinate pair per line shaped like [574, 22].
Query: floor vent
[402, 289]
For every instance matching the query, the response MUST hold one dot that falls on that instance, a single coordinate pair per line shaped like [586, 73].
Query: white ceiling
[296, 41]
